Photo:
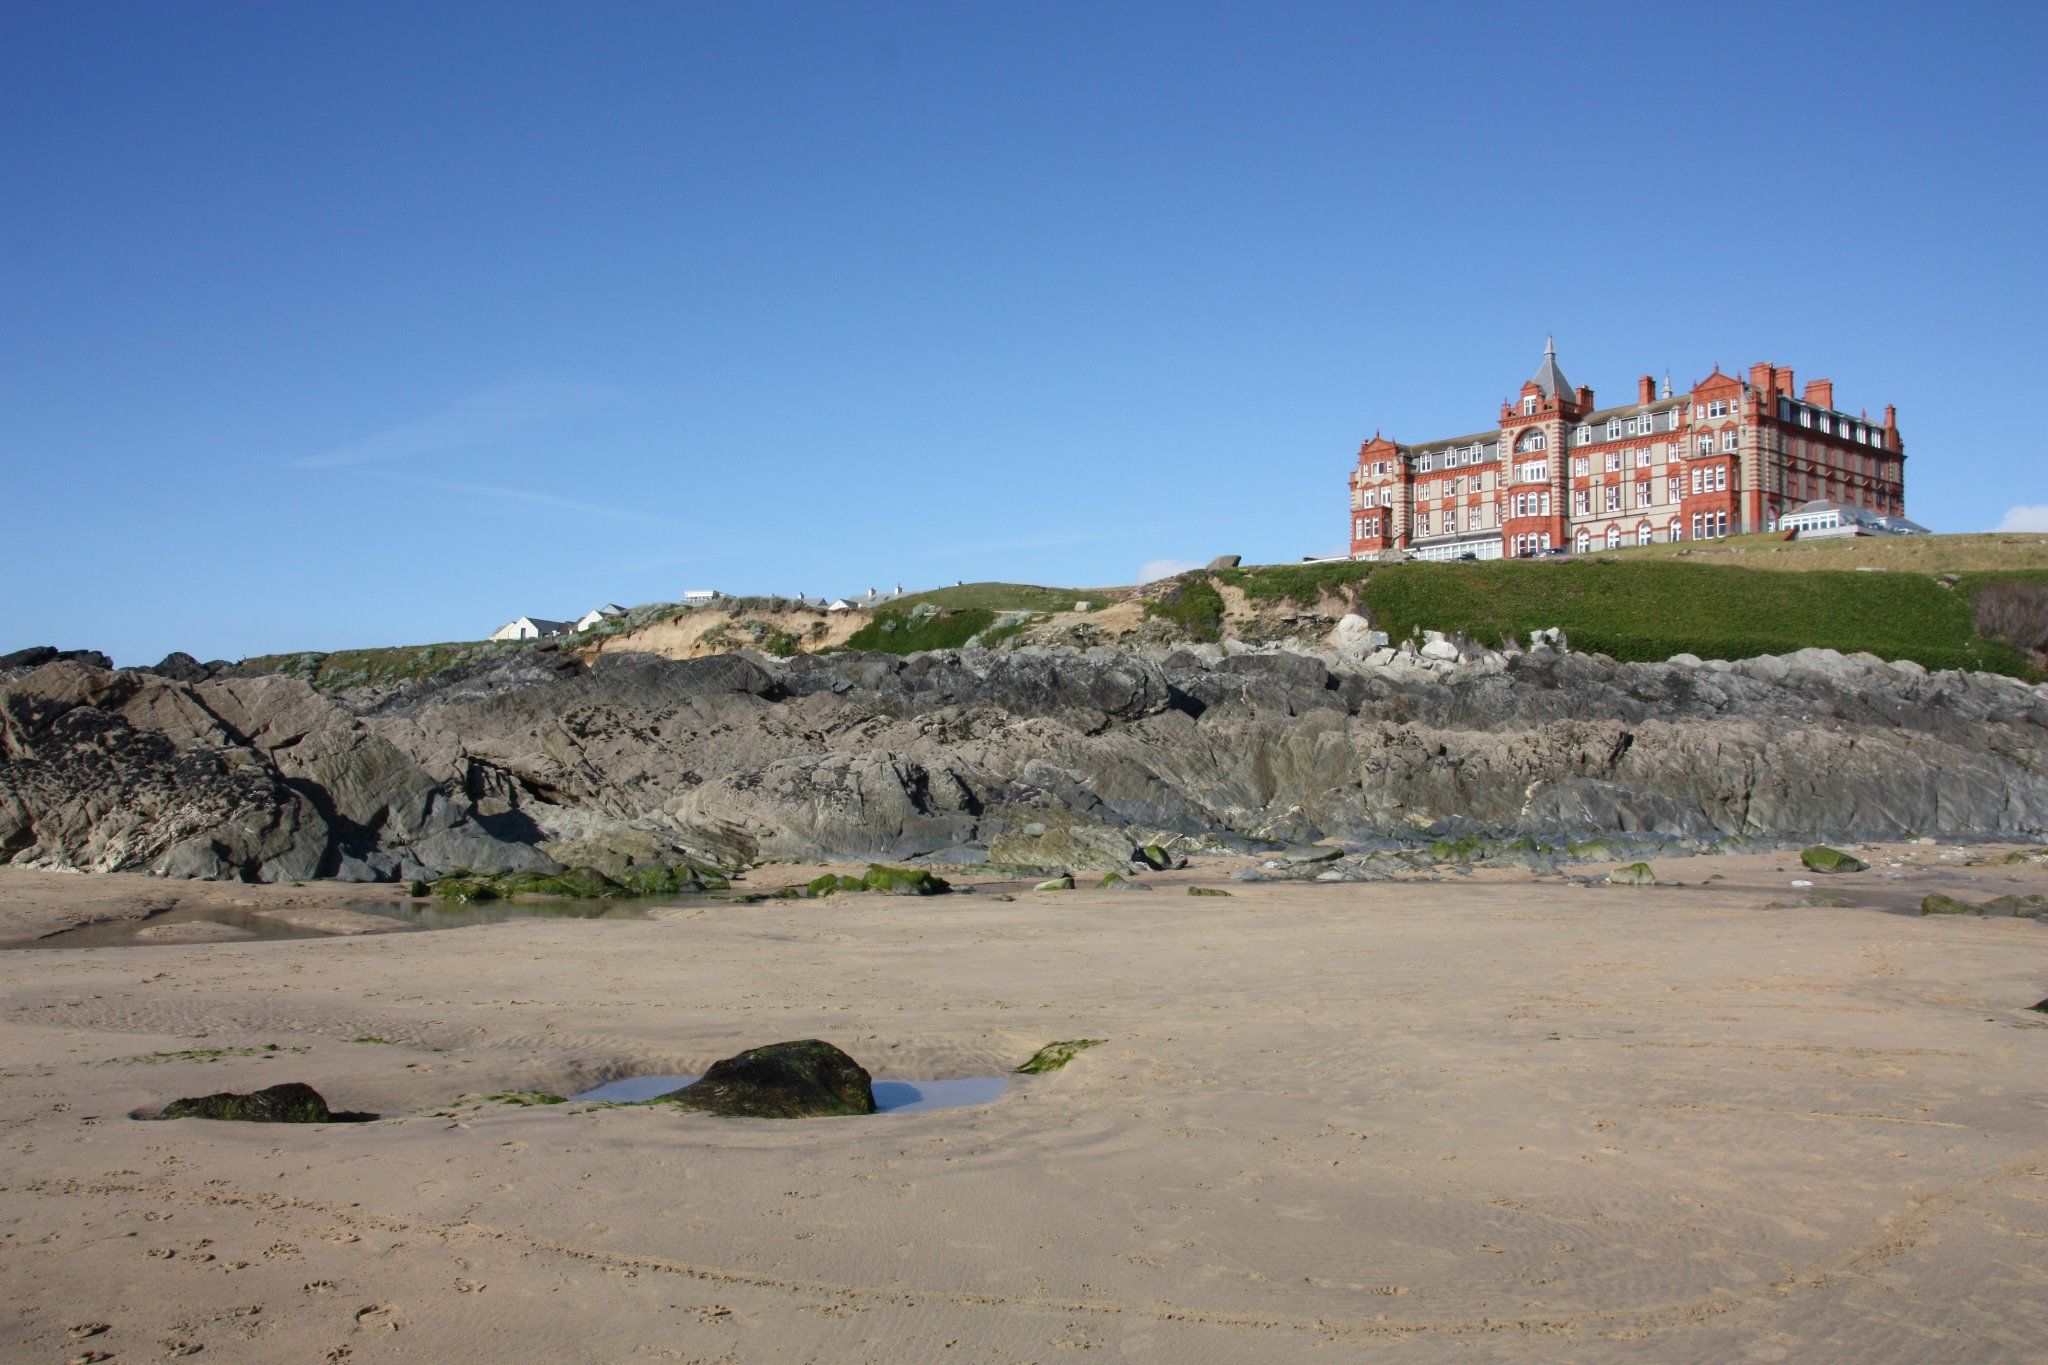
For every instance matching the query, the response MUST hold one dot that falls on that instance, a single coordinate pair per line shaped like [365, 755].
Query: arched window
[1613, 537]
[1583, 541]
[1674, 528]
[1643, 534]
[1532, 440]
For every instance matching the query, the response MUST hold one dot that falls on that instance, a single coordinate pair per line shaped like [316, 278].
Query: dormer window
[1613, 428]
[1529, 407]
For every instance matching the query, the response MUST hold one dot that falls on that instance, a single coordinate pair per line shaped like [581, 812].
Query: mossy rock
[1468, 848]
[1053, 1056]
[1938, 904]
[1633, 874]
[575, 883]
[1207, 891]
[2026, 855]
[1821, 858]
[1156, 858]
[661, 881]
[1063, 882]
[419, 890]
[1113, 881]
[465, 889]
[2025, 907]
[903, 881]
[829, 883]
[525, 1098]
[290, 1102]
[808, 1078]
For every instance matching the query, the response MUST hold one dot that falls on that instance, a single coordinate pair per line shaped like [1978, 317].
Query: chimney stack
[1646, 389]
[1820, 392]
[1585, 397]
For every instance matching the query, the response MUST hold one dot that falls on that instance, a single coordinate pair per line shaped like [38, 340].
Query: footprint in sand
[376, 1317]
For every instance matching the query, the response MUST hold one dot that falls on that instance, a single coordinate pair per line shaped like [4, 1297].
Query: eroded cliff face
[542, 757]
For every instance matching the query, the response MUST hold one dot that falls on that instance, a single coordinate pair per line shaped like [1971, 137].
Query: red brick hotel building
[1730, 455]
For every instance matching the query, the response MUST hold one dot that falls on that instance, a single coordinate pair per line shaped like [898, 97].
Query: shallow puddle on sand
[256, 926]
[891, 1097]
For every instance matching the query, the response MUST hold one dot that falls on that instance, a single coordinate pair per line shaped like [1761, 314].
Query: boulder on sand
[1634, 874]
[291, 1102]
[1821, 858]
[807, 1078]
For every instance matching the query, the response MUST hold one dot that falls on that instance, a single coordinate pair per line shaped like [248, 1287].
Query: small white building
[701, 597]
[1821, 519]
[529, 628]
[598, 616]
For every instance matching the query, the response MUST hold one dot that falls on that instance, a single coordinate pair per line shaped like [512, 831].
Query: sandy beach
[1493, 1115]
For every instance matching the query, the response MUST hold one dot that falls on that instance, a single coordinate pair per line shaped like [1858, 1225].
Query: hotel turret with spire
[1729, 455]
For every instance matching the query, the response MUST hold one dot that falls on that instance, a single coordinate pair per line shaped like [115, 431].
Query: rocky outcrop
[804, 1079]
[291, 1102]
[1056, 759]
[261, 778]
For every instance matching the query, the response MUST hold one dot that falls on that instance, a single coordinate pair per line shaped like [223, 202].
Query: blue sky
[334, 325]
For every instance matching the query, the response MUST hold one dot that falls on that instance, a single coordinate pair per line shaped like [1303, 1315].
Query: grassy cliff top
[1899, 598]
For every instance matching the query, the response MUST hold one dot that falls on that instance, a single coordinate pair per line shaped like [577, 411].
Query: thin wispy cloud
[527, 496]
[482, 419]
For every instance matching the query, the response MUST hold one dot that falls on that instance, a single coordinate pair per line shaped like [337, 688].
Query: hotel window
[1422, 524]
[1643, 534]
[1644, 492]
[1536, 471]
[1614, 498]
[1613, 461]
[1581, 465]
[1705, 445]
[1533, 440]
[1826, 424]
[1583, 541]
[1676, 485]
[1585, 434]
[1426, 463]
[1528, 406]
[1729, 439]
[1450, 520]
[1805, 417]
[1614, 537]
[1718, 408]
[1582, 503]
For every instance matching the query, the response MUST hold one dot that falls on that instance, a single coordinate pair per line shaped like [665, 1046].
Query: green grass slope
[1652, 609]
